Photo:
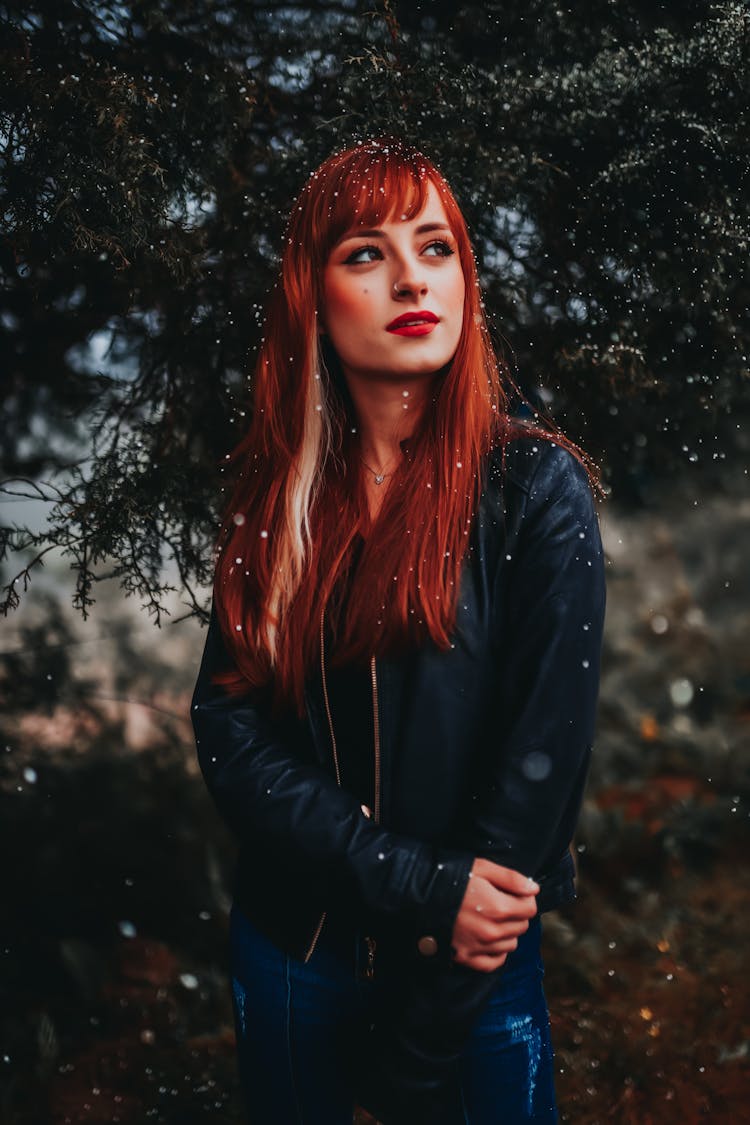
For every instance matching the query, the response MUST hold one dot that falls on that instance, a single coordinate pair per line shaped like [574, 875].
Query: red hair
[299, 500]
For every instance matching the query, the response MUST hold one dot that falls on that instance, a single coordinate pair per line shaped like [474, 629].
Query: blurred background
[150, 155]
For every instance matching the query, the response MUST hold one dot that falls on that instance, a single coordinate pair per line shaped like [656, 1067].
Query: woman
[396, 703]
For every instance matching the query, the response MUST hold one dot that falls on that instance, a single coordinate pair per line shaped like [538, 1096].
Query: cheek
[456, 299]
[346, 300]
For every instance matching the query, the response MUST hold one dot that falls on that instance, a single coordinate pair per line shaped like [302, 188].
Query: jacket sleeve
[296, 812]
[550, 597]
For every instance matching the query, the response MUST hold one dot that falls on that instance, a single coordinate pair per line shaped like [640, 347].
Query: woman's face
[375, 276]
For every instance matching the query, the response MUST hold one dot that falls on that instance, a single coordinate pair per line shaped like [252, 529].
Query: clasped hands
[495, 911]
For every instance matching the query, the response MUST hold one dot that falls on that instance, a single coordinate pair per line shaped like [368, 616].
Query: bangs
[369, 186]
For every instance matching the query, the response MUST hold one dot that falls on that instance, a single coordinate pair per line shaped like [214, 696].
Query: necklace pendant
[379, 478]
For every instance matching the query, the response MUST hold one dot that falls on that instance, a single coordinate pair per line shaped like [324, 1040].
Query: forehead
[432, 211]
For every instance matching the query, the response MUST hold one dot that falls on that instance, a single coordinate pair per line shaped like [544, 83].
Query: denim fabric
[294, 1023]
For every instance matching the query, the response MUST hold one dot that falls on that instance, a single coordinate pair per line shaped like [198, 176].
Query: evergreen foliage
[151, 152]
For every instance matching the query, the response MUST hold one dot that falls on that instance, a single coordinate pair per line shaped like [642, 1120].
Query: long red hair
[298, 499]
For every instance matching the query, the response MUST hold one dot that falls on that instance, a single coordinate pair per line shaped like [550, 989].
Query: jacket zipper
[319, 926]
[371, 944]
[376, 732]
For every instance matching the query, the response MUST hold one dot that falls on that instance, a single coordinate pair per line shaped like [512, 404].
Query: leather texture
[485, 749]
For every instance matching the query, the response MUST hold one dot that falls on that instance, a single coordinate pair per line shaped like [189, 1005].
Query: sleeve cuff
[428, 931]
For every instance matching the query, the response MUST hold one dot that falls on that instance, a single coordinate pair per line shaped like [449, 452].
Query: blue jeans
[292, 1021]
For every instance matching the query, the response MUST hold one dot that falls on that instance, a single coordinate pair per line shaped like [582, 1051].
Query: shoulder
[543, 503]
[534, 470]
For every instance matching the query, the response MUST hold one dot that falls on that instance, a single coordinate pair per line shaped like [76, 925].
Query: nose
[409, 284]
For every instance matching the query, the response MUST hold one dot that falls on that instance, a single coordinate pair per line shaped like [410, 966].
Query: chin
[426, 365]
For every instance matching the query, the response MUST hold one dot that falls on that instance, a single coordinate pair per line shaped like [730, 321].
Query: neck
[387, 414]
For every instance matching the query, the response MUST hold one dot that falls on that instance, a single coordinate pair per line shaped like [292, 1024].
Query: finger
[467, 954]
[506, 879]
[490, 924]
[511, 906]
[506, 945]
[489, 899]
[474, 960]
[505, 932]
[487, 964]
[495, 948]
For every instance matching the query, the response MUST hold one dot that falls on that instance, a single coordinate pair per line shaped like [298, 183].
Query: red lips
[422, 316]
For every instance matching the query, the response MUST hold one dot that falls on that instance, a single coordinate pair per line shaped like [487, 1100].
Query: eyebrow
[381, 234]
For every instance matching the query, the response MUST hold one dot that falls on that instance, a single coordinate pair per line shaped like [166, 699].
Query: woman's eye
[354, 256]
[444, 251]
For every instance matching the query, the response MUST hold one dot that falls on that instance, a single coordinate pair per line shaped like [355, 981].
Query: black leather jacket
[482, 749]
